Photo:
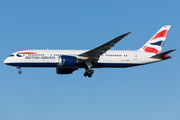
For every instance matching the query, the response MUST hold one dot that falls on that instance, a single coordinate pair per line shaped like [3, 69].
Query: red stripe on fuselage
[160, 34]
[150, 49]
[26, 53]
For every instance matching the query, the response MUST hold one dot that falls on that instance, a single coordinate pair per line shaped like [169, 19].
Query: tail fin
[155, 44]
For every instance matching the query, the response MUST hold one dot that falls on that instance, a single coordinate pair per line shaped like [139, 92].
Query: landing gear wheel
[91, 71]
[89, 75]
[19, 71]
[88, 71]
[85, 74]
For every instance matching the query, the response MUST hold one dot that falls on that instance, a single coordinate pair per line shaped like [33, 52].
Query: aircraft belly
[115, 65]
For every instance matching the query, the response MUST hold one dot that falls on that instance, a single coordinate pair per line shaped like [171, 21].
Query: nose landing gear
[19, 71]
[18, 67]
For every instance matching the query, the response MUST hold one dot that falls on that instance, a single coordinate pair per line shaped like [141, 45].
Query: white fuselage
[67, 61]
[50, 58]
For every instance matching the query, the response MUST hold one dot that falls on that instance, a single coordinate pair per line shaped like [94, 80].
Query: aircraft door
[101, 58]
[135, 57]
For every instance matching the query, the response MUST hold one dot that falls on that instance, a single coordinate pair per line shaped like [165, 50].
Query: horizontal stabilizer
[163, 55]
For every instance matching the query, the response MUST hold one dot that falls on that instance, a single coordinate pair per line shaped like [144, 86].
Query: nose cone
[6, 61]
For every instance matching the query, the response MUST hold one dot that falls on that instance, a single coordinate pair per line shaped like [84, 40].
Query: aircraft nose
[6, 61]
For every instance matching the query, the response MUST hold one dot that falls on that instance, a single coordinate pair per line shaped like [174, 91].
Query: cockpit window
[11, 55]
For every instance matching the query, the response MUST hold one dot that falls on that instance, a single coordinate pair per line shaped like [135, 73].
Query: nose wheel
[19, 71]
[18, 67]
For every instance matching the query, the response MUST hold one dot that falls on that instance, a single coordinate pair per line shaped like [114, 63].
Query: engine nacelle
[64, 70]
[67, 61]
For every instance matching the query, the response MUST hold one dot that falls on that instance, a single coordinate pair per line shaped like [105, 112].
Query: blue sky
[148, 92]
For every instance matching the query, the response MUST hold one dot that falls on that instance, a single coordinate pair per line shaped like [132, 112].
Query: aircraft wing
[94, 54]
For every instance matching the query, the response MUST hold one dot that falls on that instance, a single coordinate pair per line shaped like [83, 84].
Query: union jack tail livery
[155, 44]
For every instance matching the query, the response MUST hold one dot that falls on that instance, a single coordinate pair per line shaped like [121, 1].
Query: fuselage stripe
[26, 53]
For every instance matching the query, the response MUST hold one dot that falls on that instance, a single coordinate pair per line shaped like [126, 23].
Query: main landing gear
[19, 69]
[88, 72]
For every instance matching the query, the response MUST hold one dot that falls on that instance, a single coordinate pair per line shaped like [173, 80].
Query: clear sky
[150, 92]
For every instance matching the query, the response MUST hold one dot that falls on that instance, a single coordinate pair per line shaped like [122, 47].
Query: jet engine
[67, 61]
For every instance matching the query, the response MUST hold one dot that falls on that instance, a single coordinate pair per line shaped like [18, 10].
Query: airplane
[67, 61]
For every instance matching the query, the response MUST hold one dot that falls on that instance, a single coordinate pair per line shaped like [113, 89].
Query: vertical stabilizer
[155, 44]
